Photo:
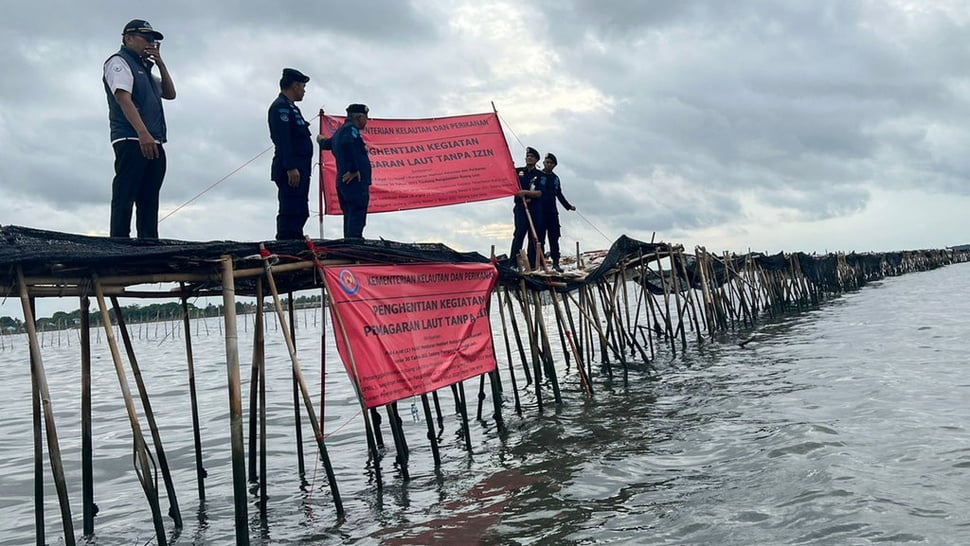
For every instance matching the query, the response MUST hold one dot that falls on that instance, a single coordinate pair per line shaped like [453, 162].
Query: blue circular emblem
[348, 282]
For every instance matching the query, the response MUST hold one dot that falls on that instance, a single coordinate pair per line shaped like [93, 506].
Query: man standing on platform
[353, 171]
[551, 189]
[138, 128]
[292, 157]
[527, 194]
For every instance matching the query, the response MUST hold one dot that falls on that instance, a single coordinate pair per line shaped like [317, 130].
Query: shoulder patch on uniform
[117, 68]
[354, 132]
[284, 116]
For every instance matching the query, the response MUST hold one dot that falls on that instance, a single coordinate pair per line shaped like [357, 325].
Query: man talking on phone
[138, 129]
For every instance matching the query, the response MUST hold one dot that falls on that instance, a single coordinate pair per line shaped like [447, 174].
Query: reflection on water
[847, 424]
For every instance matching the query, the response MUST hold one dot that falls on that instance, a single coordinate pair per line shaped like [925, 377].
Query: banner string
[220, 181]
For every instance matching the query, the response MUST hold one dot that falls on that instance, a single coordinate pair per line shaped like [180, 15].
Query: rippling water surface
[847, 424]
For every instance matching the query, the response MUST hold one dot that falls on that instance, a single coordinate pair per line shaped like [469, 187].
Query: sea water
[843, 424]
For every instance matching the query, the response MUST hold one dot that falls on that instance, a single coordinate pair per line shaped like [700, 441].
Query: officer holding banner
[353, 171]
[527, 194]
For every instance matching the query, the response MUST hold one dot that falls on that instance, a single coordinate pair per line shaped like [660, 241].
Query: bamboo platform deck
[611, 313]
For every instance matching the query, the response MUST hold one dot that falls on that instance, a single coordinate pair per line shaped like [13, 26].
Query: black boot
[555, 265]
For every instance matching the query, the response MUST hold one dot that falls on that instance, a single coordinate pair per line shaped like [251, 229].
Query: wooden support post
[200, 473]
[239, 492]
[400, 442]
[307, 402]
[143, 467]
[518, 337]
[297, 422]
[89, 508]
[463, 411]
[508, 353]
[432, 437]
[37, 414]
[550, 367]
[173, 504]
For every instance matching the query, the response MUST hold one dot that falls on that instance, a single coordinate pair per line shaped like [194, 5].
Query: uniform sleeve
[118, 74]
[560, 196]
[279, 131]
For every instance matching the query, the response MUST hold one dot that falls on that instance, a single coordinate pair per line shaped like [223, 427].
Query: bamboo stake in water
[89, 508]
[200, 473]
[235, 403]
[173, 510]
[143, 468]
[308, 403]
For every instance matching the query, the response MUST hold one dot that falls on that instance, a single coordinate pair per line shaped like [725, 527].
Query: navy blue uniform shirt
[351, 154]
[291, 136]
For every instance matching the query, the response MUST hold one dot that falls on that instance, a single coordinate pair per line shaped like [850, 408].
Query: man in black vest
[138, 128]
[292, 157]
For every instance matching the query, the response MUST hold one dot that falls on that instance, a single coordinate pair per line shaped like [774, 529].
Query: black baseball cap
[141, 26]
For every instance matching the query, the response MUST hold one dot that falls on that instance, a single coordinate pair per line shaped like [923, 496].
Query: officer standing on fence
[353, 171]
[292, 157]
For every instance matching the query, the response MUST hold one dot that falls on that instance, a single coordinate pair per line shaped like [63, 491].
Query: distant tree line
[149, 313]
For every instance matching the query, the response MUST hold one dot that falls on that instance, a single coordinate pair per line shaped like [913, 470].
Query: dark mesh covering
[55, 255]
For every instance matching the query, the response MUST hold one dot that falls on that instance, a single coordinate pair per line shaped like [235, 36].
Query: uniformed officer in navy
[138, 128]
[292, 157]
[527, 194]
[353, 171]
[551, 188]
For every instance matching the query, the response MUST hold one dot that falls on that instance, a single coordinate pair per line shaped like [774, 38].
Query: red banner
[412, 329]
[422, 163]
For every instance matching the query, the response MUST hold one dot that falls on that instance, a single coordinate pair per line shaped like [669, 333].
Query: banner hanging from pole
[412, 329]
[422, 163]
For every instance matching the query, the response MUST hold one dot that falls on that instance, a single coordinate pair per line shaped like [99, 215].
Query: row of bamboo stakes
[614, 322]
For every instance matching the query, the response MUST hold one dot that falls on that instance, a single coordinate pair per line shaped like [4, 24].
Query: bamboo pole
[308, 403]
[173, 510]
[508, 353]
[518, 337]
[89, 508]
[550, 367]
[260, 313]
[241, 509]
[533, 343]
[200, 472]
[143, 467]
[38, 434]
[432, 437]
[355, 381]
[463, 411]
[400, 442]
[255, 380]
[297, 422]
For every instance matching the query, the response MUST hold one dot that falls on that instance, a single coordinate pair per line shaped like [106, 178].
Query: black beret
[552, 158]
[529, 150]
[294, 75]
[357, 109]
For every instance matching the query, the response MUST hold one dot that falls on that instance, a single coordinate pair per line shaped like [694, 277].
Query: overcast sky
[765, 125]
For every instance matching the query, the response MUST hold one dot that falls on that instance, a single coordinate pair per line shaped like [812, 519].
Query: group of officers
[138, 131]
[293, 157]
[536, 212]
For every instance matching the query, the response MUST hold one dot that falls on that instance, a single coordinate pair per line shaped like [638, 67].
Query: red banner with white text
[411, 329]
[421, 163]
